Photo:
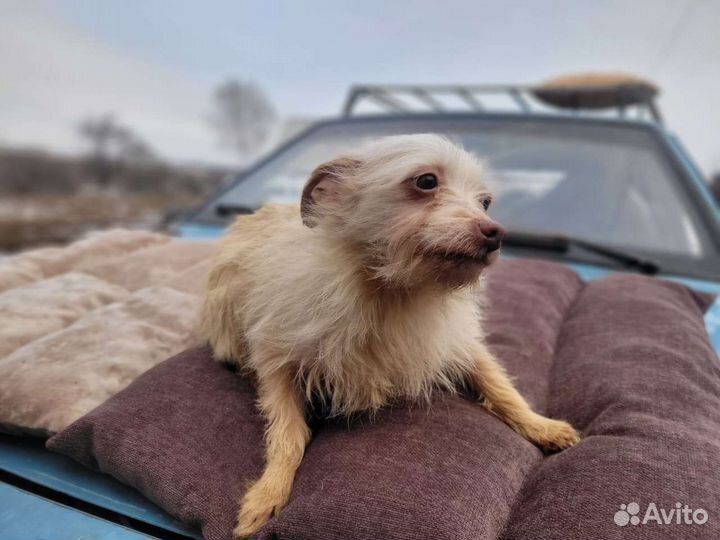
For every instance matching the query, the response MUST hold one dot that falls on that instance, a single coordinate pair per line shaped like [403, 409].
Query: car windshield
[603, 182]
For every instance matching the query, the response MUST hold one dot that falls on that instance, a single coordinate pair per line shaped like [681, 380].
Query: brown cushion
[635, 371]
[188, 436]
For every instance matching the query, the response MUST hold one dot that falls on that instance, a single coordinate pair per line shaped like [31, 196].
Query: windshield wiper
[563, 244]
[233, 209]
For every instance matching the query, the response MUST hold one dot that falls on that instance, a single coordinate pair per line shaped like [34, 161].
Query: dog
[368, 292]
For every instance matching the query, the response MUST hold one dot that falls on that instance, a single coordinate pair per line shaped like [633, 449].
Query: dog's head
[414, 206]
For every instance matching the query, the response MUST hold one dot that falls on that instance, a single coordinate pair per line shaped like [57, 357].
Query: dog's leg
[286, 437]
[501, 398]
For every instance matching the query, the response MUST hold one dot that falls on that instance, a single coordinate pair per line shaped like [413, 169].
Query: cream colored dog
[366, 293]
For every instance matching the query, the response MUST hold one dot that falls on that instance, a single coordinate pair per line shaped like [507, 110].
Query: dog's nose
[490, 234]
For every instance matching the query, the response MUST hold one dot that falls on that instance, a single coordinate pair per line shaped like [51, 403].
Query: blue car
[603, 191]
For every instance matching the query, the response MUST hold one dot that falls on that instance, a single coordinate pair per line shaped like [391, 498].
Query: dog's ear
[324, 187]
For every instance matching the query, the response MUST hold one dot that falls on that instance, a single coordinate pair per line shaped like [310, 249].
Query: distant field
[29, 221]
[47, 198]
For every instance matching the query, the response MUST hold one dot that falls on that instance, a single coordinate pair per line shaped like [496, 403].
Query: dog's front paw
[260, 503]
[552, 435]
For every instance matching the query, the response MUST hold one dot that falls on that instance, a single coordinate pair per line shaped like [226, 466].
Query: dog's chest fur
[374, 352]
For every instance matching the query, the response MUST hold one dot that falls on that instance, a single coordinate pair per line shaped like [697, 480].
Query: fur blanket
[79, 323]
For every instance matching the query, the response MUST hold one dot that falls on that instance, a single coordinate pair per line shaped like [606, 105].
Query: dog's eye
[426, 182]
[486, 203]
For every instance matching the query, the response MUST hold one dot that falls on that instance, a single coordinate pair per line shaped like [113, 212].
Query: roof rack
[627, 101]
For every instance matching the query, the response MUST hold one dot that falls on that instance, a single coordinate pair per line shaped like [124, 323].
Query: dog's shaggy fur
[367, 293]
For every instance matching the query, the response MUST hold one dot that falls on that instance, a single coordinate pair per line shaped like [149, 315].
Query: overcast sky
[155, 63]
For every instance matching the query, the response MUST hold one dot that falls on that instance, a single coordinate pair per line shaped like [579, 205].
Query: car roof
[557, 117]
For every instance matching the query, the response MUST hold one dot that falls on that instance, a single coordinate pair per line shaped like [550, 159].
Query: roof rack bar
[655, 112]
[447, 88]
[379, 95]
[399, 98]
[470, 99]
[353, 97]
[427, 99]
[519, 100]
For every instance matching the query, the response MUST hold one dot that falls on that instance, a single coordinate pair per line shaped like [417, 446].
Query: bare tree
[112, 147]
[243, 117]
[99, 132]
